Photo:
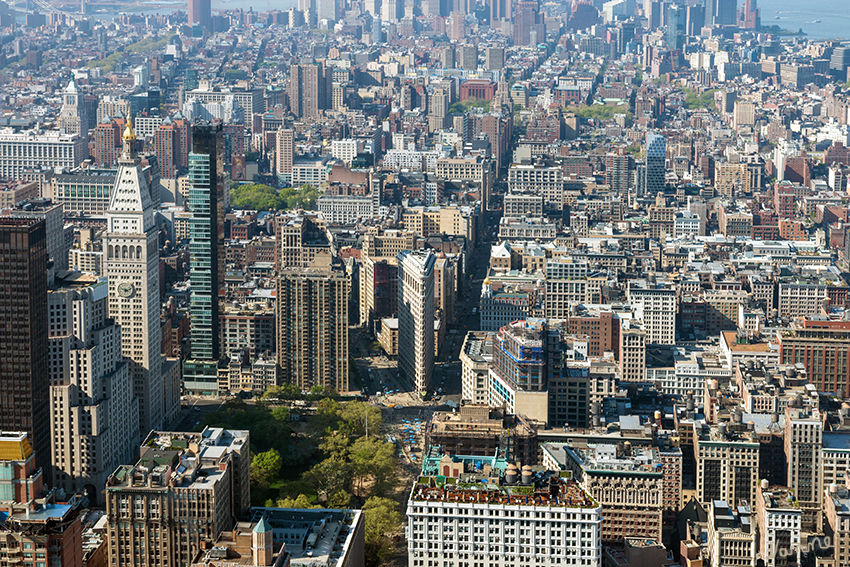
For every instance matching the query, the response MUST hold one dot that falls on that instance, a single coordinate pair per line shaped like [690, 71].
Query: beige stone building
[200, 480]
[94, 423]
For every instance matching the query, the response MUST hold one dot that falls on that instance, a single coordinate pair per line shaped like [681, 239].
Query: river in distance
[823, 19]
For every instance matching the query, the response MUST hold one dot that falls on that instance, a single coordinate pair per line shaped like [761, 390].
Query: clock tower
[132, 267]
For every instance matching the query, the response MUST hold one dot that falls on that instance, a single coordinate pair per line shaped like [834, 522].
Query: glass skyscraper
[656, 164]
[207, 183]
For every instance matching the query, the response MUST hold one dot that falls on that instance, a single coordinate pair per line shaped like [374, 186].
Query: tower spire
[129, 149]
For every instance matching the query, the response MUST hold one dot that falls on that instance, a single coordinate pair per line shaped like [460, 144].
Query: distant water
[257, 5]
[834, 16]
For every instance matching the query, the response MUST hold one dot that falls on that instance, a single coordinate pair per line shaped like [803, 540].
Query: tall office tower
[500, 10]
[102, 40]
[447, 57]
[469, 57]
[327, 10]
[312, 324]
[640, 179]
[392, 10]
[750, 17]
[54, 227]
[618, 173]
[306, 94]
[676, 22]
[457, 29]
[416, 318]
[430, 8]
[438, 103]
[625, 36]
[744, 114]
[803, 454]
[207, 184]
[73, 117]
[652, 13]
[284, 154]
[694, 19]
[378, 289]
[373, 7]
[495, 58]
[107, 143]
[200, 12]
[165, 141]
[95, 419]
[525, 18]
[182, 493]
[655, 171]
[24, 370]
[839, 61]
[184, 140]
[725, 12]
[518, 376]
[377, 30]
[132, 266]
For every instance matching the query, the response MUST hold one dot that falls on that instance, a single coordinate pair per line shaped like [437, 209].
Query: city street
[193, 411]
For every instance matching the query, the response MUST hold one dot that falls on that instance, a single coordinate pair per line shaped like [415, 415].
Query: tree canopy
[382, 519]
[601, 112]
[259, 197]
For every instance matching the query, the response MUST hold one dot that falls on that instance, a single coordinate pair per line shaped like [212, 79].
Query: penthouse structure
[501, 518]
[182, 493]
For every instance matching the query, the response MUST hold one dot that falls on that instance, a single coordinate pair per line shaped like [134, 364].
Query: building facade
[416, 315]
[132, 269]
[25, 377]
[312, 325]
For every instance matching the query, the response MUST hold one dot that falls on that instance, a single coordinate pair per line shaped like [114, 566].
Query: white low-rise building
[487, 519]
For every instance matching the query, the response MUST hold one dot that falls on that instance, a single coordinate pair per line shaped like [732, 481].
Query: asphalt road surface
[194, 410]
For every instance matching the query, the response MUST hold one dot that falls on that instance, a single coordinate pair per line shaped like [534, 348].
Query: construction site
[478, 430]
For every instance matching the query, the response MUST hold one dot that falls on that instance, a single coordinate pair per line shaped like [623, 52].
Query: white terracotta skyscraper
[132, 266]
